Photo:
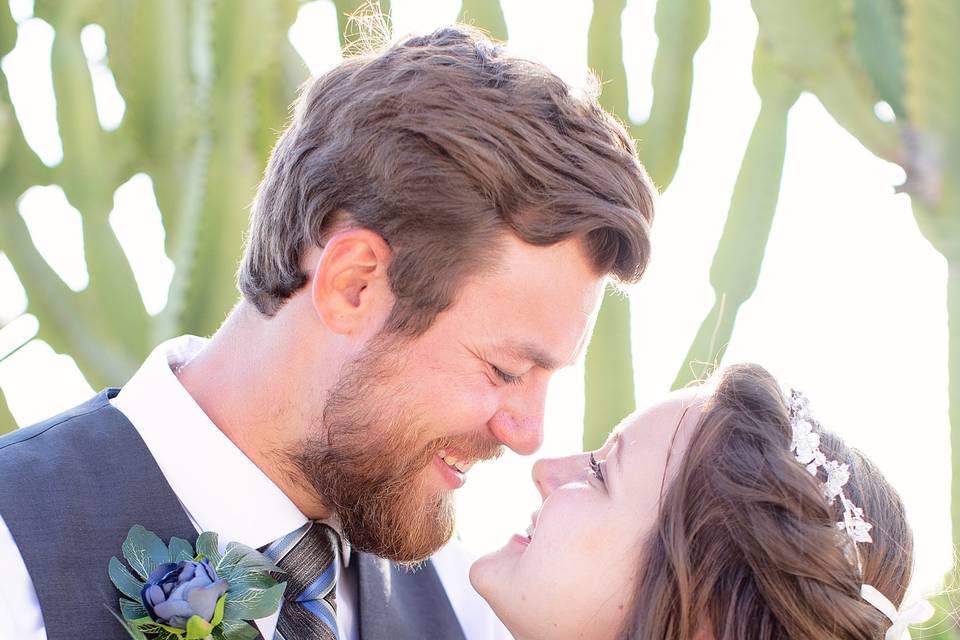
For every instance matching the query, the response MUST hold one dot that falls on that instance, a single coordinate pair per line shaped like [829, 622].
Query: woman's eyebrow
[615, 441]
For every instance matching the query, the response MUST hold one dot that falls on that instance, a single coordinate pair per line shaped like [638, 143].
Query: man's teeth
[451, 460]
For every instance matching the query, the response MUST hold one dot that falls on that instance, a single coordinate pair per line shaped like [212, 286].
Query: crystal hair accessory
[805, 445]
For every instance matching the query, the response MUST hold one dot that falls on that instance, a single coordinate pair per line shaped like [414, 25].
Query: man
[429, 244]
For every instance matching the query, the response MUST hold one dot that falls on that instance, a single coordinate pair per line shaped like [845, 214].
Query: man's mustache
[472, 447]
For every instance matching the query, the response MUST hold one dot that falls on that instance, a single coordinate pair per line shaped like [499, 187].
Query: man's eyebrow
[531, 353]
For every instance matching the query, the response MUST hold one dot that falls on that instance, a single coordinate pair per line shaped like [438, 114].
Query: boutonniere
[176, 593]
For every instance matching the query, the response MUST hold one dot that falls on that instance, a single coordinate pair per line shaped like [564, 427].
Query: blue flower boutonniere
[174, 593]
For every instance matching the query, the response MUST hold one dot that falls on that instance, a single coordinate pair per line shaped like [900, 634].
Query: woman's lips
[519, 539]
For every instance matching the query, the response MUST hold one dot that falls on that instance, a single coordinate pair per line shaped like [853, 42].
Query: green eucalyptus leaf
[236, 630]
[208, 546]
[252, 603]
[180, 549]
[132, 610]
[144, 551]
[157, 631]
[160, 632]
[241, 559]
[123, 580]
[243, 579]
[198, 628]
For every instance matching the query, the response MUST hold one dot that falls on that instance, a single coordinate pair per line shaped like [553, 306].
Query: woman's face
[574, 575]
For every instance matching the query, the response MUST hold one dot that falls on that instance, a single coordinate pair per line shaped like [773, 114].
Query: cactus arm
[739, 255]
[233, 169]
[608, 371]
[276, 79]
[608, 366]
[847, 93]
[88, 178]
[953, 319]
[182, 240]
[486, 14]
[147, 42]
[605, 56]
[812, 41]
[931, 52]
[68, 322]
[681, 27]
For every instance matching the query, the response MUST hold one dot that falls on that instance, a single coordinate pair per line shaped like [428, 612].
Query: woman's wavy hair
[746, 545]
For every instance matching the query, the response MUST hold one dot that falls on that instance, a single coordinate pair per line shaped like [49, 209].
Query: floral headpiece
[805, 445]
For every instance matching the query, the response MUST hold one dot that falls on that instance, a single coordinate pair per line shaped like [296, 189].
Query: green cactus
[820, 46]
[176, 63]
[681, 27]
[739, 255]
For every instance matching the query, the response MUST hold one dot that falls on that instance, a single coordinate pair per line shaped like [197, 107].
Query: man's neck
[242, 380]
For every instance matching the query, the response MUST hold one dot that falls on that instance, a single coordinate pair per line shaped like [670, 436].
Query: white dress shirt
[234, 498]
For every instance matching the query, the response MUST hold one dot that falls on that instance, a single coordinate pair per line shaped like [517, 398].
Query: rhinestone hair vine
[806, 446]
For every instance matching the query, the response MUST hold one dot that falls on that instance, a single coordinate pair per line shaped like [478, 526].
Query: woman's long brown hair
[746, 545]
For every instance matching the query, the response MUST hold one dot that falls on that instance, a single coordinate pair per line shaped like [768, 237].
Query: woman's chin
[491, 576]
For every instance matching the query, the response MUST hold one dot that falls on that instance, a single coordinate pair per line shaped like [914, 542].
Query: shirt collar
[221, 489]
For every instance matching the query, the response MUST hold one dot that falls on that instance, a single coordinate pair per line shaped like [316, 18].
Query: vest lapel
[402, 604]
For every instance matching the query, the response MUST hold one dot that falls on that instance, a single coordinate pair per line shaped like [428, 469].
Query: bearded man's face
[375, 461]
[407, 418]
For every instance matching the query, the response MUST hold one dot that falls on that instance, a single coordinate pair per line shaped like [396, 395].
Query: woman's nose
[550, 473]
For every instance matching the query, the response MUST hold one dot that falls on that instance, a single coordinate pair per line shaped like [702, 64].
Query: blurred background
[808, 154]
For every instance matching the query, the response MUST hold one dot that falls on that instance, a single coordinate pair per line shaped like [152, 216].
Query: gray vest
[72, 486]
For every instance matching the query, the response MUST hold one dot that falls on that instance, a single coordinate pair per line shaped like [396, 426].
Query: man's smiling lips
[453, 461]
[452, 468]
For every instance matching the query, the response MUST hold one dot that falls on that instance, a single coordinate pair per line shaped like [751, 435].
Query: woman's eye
[596, 469]
[506, 377]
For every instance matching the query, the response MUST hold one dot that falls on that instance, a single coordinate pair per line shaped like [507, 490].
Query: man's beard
[366, 462]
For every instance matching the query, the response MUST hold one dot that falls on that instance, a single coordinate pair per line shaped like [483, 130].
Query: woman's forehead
[665, 412]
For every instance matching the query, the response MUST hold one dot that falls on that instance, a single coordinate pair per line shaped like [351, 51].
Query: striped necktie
[309, 557]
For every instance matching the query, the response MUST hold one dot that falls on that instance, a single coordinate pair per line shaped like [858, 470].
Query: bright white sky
[850, 306]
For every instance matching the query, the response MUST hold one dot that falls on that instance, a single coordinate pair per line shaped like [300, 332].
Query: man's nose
[550, 473]
[518, 423]
[522, 433]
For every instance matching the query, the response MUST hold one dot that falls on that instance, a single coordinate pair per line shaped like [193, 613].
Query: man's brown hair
[441, 143]
[746, 544]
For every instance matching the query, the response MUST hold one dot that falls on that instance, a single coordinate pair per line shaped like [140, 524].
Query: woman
[720, 513]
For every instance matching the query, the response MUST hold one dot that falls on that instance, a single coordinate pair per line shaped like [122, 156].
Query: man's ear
[351, 288]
